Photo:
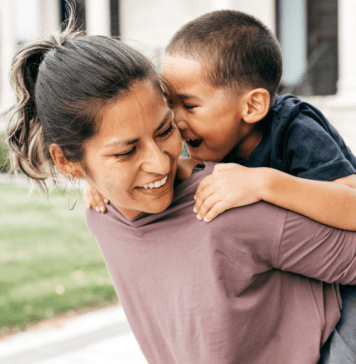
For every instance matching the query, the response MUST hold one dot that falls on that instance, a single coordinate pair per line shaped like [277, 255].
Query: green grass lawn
[49, 262]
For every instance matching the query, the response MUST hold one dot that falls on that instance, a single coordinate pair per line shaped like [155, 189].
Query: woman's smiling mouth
[156, 184]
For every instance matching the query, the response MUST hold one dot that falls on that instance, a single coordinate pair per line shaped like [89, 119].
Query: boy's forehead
[179, 73]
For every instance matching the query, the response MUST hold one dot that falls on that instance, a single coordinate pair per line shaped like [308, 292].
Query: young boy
[220, 75]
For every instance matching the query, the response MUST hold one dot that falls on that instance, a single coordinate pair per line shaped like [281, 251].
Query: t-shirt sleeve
[317, 251]
[314, 151]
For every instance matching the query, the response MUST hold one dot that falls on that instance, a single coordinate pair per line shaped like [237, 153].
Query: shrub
[4, 155]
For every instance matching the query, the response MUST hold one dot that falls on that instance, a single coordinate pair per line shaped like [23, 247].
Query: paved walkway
[102, 336]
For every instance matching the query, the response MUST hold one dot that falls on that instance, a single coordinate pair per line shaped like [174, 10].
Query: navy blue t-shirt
[299, 140]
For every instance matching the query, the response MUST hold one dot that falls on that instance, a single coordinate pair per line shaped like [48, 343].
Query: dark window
[321, 73]
[322, 46]
[79, 12]
[114, 17]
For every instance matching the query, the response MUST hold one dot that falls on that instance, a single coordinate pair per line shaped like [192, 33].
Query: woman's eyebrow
[121, 142]
[165, 120]
[133, 141]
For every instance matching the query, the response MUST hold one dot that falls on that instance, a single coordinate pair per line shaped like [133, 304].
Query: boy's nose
[181, 125]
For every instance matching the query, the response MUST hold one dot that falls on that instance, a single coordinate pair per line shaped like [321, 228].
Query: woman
[91, 108]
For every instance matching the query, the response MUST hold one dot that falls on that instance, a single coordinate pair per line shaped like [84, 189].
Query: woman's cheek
[177, 143]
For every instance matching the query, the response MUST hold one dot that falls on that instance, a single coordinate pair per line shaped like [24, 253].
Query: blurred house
[318, 39]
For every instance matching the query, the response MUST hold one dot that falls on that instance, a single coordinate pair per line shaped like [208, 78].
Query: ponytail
[25, 135]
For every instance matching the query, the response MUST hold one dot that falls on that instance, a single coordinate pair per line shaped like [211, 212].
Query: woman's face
[132, 160]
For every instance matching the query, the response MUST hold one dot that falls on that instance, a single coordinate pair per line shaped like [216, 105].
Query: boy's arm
[330, 203]
[317, 251]
[232, 185]
[305, 148]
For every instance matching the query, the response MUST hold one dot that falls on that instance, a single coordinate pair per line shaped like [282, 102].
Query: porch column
[7, 49]
[341, 109]
[346, 86]
[97, 15]
[49, 16]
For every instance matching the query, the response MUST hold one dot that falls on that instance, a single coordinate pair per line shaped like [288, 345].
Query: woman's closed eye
[167, 131]
[127, 154]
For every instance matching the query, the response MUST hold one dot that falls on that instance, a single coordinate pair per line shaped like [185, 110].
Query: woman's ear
[63, 163]
[257, 104]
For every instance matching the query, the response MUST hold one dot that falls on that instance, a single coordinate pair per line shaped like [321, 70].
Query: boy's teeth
[156, 184]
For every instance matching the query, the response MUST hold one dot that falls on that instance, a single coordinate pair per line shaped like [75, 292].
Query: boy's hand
[230, 185]
[93, 198]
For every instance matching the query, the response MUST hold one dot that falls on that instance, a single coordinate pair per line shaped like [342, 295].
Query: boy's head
[230, 65]
[237, 50]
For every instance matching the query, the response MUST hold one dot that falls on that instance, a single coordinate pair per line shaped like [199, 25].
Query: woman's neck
[185, 167]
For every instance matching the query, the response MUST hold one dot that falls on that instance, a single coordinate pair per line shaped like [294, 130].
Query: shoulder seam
[276, 262]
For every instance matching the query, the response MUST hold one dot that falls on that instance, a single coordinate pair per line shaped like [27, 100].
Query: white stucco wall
[7, 49]
[263, 10]
[148, 25]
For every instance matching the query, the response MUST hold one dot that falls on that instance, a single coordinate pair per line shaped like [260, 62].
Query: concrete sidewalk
[102, 336]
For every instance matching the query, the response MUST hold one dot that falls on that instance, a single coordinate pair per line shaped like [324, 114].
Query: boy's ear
[63, 163]
[257, 104]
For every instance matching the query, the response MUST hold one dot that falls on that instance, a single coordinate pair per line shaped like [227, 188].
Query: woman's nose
[156, 160]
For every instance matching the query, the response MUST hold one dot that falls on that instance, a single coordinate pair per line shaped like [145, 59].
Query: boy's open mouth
[194, 143]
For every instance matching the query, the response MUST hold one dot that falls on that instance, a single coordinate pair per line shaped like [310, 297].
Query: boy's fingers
[216, 210]
[202, 196]
[87, 200]
[207, 205]
[99, 203]
[205, 182]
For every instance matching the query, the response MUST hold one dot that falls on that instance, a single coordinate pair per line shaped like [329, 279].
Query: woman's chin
[152, 206]
[161, 206]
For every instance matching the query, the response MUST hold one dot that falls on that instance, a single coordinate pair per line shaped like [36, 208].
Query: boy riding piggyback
[220, 75]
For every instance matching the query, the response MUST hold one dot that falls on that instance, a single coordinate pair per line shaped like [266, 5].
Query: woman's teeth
[195, 143]
[156, 184]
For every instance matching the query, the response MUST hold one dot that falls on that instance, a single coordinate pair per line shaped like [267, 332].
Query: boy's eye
[189, 107]
[167, 131]
[127, 154]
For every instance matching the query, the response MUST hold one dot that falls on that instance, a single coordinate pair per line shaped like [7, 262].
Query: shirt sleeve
[317, 251]
[313, 152]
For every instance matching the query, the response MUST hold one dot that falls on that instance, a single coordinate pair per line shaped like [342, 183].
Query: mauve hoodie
[235, 290]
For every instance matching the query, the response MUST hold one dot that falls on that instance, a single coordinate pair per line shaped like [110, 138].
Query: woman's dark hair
[62, 86]
[238, 50]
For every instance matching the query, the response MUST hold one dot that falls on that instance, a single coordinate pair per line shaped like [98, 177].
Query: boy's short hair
[238, 50]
